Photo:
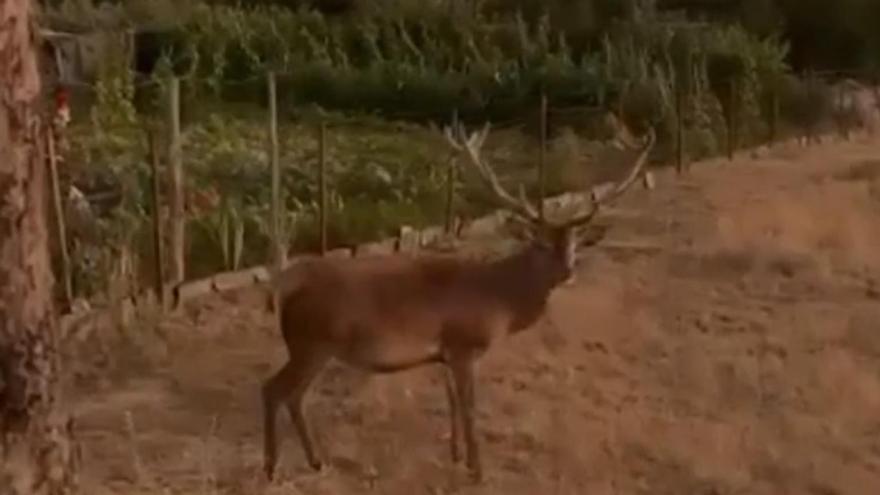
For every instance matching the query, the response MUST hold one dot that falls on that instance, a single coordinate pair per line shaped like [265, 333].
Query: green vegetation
[377, 76]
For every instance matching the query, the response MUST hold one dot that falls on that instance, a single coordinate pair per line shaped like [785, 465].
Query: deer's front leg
[462, 367]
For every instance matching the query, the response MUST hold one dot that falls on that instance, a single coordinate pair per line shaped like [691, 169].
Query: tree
[37, 454]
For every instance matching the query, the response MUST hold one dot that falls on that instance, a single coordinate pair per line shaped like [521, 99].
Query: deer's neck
[523, 287]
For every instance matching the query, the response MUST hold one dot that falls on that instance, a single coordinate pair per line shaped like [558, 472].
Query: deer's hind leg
[454, 414]
[289, 386]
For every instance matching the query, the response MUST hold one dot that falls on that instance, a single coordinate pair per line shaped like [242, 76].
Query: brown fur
[391, 313]
[390, 299]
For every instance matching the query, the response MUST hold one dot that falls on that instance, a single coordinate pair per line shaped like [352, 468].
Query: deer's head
[552, 245]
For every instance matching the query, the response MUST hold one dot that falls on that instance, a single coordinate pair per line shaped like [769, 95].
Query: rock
[407, 240]
[430, 236]
[340, 253]
[380, 248]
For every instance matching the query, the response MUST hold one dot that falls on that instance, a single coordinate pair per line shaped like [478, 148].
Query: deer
[389, 313]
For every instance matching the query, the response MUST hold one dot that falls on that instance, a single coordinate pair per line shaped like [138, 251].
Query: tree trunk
[37, 454]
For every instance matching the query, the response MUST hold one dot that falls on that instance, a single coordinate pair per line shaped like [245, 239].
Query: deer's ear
[592, 234]
[519, 228]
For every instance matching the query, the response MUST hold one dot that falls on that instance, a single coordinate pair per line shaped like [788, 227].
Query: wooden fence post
[450, 181]
[60, 224]
[774, 115]
[731, 118]
[679, 127]
[811, 122]
[542, 157]
[682, 58]
[737, 113]
[177, 190]
[840, 106]
[158, 234]
[322, 185]
[278, 251]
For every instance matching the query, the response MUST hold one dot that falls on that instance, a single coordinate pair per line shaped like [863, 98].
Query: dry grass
[741, 358]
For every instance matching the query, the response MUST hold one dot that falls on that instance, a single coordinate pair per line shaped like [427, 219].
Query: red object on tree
[62, 106]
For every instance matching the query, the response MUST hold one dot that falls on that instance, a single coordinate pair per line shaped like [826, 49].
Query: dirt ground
[740, 354]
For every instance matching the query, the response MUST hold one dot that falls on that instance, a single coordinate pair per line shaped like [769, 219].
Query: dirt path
[742, 357]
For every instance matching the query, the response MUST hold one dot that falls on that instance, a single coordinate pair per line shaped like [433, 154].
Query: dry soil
[736, 351]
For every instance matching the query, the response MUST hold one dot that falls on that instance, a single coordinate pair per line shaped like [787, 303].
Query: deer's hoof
[455, 454]
[475, 475]
[316, 464]
[269, 470]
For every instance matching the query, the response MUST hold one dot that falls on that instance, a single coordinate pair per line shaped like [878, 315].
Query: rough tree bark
[37, 453]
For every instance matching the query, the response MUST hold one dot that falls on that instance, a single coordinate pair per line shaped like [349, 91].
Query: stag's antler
[599, 200]
[471, 146]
